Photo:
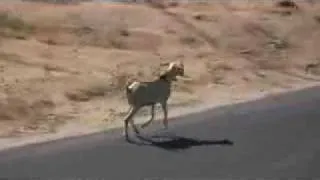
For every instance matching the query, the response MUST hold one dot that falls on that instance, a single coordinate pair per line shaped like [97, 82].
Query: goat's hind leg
[165, 114]
[134, 127]
[151, 119]
[128, 118]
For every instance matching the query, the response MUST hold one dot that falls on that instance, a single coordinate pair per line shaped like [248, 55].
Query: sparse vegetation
[189, 40]
[80, 56]
[65, 2]
[287, 4]
[13, 26]
[89, 90]
[317, 18]
[27, 115]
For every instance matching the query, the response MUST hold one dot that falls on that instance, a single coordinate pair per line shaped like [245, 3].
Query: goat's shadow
[174, 143]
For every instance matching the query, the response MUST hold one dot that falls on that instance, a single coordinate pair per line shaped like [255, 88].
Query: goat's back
[146, 93]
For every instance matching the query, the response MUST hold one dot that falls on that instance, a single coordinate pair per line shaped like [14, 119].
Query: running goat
[150, 93]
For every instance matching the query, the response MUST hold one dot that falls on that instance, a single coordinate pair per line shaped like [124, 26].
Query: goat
[150, 93]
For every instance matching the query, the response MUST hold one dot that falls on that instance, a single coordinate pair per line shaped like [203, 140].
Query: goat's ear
[181, 62]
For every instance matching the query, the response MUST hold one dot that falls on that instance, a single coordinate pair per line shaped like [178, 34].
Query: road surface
[274, 137]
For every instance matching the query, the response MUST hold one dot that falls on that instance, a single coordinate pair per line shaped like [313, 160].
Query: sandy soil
[63, 67]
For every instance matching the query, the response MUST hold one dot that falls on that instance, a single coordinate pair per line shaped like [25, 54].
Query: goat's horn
[164, 64]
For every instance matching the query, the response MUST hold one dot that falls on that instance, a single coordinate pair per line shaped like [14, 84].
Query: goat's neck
[167, 79]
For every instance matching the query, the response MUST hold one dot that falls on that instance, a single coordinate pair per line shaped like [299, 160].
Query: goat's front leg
[165, 113]
[151, 119]
[134, 127]
[128, 119]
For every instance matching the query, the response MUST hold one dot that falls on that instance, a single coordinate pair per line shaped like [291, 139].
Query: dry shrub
[183, 86]
[96, 87]
[273, 59]
[216, 72]
[287, 4]
[244, 35]
[188, 40]
[191, 41]
[89, 90]
[173, 4]
[279, 43]
[263, 44]
[313, 67]
[285, 7]
[13, 26]
[15, 108]
[113, 37]
[12, 57]
[120, 80]
[65, 2]
[201, 17]
[86, 26]
[108, 38]
[271, 64]
[26, 116]
[317, 18]
[205, 17]
[160, 4]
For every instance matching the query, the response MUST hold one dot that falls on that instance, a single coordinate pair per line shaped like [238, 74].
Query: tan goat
[150, 93]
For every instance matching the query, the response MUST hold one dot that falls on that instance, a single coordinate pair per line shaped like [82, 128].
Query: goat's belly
[150, 95]
[148, 100]
[148, 104]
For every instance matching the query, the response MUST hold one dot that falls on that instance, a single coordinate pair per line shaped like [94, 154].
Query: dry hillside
[62, 63]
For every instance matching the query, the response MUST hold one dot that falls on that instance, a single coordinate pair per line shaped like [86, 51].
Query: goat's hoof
[143, 126]
[126, 137]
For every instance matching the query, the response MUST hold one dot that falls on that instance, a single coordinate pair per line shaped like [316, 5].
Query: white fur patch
[171, 66]
[133, 85]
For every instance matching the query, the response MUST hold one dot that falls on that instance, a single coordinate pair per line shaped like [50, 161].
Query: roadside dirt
[63, 67]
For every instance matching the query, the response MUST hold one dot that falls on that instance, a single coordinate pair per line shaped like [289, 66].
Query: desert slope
[67, 64]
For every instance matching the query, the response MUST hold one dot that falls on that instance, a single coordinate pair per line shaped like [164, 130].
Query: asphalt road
[274, 137]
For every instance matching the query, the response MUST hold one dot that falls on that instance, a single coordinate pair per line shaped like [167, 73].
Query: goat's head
[174, 69]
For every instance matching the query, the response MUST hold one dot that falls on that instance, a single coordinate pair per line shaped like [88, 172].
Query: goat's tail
[129, 90]
[129, 86]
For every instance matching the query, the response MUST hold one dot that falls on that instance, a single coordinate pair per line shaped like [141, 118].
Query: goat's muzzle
[181, 72]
